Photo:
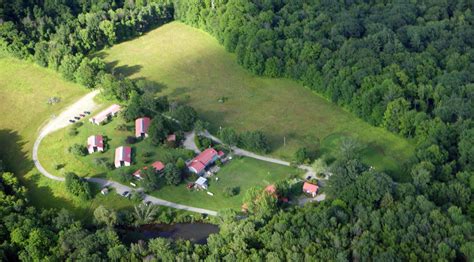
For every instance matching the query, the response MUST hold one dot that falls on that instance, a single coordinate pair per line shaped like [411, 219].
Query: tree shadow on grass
[14, 157]
[125, 70]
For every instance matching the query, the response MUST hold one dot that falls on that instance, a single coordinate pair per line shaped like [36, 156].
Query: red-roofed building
[220, 154]
[171, 138]
[123, 156]
[104, 115]
[311, 189]
[203, 160]
[95, 144]
[141, 127]
[271, 189]
[158, 166]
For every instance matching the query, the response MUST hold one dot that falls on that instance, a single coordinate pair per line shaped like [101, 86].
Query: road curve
[86, 103]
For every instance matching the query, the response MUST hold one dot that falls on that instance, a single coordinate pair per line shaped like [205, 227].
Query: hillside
[191, 66]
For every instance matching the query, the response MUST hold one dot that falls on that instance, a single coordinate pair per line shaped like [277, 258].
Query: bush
[302, 155]
[229, 136]
[122, 127]
[78, 186]
[73, 131]
[78, 150]
[231, 191]
[255, 141]
[148, 154]
[103, 162]
[125, 177]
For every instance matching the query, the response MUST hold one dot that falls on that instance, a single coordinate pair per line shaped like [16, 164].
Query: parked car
[126, 194]
[147, 203]
[78, 118]
[82, 115]
[72, 121]
[87, 112]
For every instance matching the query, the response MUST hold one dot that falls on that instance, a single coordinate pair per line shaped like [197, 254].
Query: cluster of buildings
[123, 154]
[198, 165]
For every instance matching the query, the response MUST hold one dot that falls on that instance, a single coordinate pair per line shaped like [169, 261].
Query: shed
[141, 127]
[201, 182]
[123, 156]
[95, 144]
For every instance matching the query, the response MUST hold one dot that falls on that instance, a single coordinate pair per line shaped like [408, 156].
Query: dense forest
[406, 66]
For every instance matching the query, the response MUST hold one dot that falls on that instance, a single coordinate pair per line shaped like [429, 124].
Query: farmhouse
[203, 160]
[141, 127]
[157, 166]
[95, 144]
[310, 189]
[104, 115]
[123, 156]
[201, 182]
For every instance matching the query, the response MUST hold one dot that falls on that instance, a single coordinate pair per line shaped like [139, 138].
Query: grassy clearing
[24, 91]
[243, 173]
[193, 67]
[54, 150]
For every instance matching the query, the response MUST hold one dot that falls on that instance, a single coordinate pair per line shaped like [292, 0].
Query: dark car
[82, 115]
[78, 118]
[72, 121]
[147, 203]
[126, 194]
[87, 112]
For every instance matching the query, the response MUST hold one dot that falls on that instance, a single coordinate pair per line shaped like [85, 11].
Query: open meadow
[193, 67]
[24, 92]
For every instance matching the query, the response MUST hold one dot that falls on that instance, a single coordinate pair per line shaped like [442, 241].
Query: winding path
[86, 103]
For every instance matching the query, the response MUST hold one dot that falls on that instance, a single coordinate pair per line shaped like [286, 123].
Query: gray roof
[201, 181]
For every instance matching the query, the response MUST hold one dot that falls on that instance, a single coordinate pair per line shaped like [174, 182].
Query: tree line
[405, 66]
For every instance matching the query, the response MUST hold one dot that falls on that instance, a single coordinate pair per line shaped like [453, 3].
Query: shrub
[229, 136]
[78, 150]
[78, 124]
[302, 155]
[78, 186]
[122, 127]
[231, 191]
[255, 141]
[148, 154]
[102, 161]
[73, 131]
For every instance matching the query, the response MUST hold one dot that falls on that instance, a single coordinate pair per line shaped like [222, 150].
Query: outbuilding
[95, 144]
[141, 127]
[201, 182]
[310, 189]
[123, 156]
[157, 166]
[104, 115]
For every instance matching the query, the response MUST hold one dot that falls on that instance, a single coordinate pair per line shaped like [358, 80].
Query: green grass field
[192, 67]
[54, 150]
[24, 91]
[243, 173]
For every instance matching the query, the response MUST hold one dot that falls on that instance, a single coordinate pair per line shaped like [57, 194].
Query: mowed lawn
[54, 150]
[193, 67]
[243, 173]
[24, 92]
